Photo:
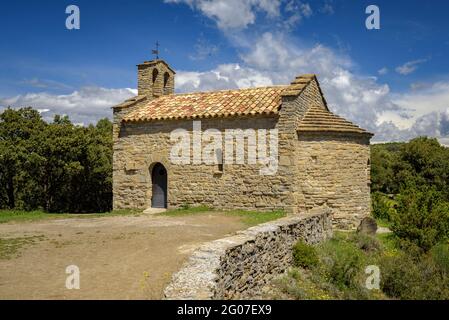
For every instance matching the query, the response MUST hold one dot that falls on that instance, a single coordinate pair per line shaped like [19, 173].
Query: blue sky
[393, 81]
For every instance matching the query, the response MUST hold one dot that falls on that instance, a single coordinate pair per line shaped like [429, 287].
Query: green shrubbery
[304, 255]
[341, 263]
[333, 269]
[411, 276]
[54, 167]
[366, 242]
[383, 206]
[416, 177]
[440, 255]
[422, 217]
[407, 272]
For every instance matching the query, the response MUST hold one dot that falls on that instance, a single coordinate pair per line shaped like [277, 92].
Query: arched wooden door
[159, 186]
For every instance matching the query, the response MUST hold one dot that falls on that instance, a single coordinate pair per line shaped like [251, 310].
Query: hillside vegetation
[410, 195]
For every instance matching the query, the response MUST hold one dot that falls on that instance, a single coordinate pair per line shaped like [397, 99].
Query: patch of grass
[383, 223]
[389, 243]
[253, 218]
[10, 247]
[185, 210]
[295, 283]
[250, 218]
[28, 216]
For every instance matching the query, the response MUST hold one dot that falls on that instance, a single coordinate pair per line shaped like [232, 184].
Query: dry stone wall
[240, 266]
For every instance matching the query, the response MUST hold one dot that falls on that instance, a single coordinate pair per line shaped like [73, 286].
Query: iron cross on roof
[156, 51]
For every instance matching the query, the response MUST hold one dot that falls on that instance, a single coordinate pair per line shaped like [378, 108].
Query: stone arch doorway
[159, 186]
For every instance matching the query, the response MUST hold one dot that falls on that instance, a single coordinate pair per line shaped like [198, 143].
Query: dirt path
[119, 257]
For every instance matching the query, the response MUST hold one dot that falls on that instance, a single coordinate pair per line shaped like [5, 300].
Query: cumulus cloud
[225, 76]
[233, 14]
[87, 105]
[409, 67]
[433, 98]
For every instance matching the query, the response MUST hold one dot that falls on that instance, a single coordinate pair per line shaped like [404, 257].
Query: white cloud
[409, 67]
[298, 11]
[226, 76]
[383, 71]
[233, 14]
[87, 105]
[433, 99]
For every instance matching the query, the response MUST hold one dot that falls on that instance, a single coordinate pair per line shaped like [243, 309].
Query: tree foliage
[57, 167]
[410, 184]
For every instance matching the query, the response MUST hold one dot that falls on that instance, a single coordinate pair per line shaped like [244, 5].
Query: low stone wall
[239, 266]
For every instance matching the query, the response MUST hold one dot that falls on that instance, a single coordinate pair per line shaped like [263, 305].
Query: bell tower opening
[155, 78]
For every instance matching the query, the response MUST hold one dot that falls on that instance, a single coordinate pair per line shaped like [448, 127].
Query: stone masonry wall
[240, 266]
[145, 84]
[335, 171]
[239, 186]
[292, 111]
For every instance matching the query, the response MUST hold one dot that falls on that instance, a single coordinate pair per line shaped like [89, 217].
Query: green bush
[406, 270]
[341, 263]
[440, 255]
[346, 263]
[422, 217]
[413, 278]
[304, 255]
[366, 242]
[383, 207]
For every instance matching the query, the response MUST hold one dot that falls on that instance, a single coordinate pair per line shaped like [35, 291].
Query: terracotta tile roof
[252, 101]
[318, 119]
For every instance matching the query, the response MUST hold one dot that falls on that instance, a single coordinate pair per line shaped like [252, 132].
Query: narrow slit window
[219, 160]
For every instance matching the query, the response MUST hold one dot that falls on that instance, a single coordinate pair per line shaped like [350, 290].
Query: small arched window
[155, 73]
[166, 78]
